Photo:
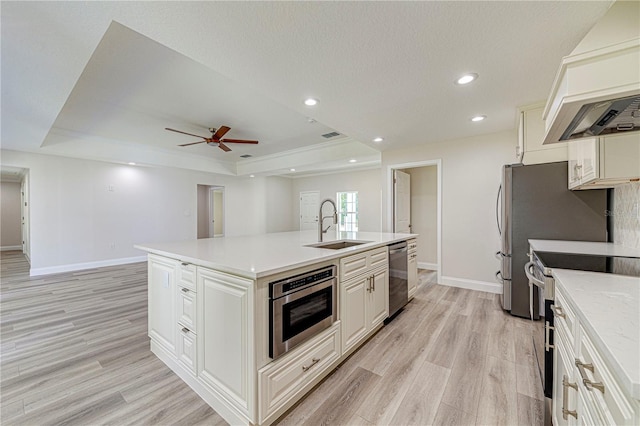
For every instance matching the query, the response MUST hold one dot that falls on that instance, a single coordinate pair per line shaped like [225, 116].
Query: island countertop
[256, 256]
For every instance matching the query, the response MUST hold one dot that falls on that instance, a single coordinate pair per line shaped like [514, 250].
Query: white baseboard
[87, 265]
[485, 286]
[10, 248]
[427, 265]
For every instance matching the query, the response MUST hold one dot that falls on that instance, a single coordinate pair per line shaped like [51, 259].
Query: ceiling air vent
[330, 135]
[246, 156]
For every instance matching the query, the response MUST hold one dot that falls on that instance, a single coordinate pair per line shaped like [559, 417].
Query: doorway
[424, 204]
[211, 223]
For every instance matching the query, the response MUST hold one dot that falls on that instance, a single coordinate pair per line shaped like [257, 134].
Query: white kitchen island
[209, 314]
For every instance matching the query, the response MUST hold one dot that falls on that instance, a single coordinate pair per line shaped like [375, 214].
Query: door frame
[390, 201]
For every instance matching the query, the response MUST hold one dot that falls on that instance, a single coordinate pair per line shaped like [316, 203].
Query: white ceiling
[101, 80]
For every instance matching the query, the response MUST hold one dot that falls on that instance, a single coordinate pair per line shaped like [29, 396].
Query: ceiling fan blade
[192, 143]
[224, 147]
[239, 141]
[185, 133]
[220, 133]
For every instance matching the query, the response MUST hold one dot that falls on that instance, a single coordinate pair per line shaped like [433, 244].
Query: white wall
[470, 178]
[10, 214]
[75, 219]
[279, 203]
[366, 182]
[424, 217]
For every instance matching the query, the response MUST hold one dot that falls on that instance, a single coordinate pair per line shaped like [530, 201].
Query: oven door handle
[528, 270]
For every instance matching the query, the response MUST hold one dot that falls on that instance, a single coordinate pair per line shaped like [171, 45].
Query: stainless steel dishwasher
[398, 284]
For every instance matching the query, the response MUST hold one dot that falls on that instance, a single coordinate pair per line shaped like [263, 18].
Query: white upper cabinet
[604, 162]
[530, 149]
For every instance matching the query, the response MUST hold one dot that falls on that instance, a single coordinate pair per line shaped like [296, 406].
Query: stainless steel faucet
[320, 223]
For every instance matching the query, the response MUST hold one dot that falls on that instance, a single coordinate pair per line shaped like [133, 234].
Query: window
[347, 211]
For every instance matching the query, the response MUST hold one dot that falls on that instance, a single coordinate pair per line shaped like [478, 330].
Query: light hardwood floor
[74, 350]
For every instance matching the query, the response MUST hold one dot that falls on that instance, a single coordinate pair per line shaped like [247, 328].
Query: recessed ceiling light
[131, 163]
[311, 102]
[478, 118]
[378, 139]
[252, 176]
[467, 78]
[292, 170]
[353, 160]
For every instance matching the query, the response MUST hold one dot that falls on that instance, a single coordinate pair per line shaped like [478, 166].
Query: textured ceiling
[378, 68]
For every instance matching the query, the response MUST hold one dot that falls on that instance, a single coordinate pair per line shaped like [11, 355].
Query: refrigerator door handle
[500, 278]
[498, 210]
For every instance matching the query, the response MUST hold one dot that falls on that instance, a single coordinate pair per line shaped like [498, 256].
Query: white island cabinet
[209, 316]
[364, 291]
[596, 362]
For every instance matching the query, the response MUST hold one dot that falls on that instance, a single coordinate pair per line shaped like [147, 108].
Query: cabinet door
[589, 166]
[574, 170]
[224, 339]
[162, 297]
[353, 315]
[378, 306]
[412, 273]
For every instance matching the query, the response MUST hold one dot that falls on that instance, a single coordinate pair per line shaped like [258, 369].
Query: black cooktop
[629, 266]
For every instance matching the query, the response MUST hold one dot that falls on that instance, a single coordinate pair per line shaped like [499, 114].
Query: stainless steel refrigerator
[534, 202]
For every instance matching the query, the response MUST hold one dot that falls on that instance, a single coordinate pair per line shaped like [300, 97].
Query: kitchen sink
[337, 245]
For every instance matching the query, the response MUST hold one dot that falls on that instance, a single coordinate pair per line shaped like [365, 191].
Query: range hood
[596, 91]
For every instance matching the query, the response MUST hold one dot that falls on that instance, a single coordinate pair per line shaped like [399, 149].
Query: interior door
[216, 212]
[309, 210]
[401, 202]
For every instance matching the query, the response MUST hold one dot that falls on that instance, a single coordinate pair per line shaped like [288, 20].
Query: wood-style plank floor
[74, 350]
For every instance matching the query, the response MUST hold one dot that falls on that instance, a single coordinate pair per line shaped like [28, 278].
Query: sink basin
[337, 245]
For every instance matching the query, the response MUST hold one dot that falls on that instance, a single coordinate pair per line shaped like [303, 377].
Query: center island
[252, 323]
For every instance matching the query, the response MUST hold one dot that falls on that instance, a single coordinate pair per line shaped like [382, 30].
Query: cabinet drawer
[361, 263]
[187, 275]
[281, 380]
[565, 317]
[187, 348]
[187, 308]
[611, 404]
[412, 245]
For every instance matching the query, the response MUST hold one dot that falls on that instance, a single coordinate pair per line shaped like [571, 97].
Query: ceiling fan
[215, 139]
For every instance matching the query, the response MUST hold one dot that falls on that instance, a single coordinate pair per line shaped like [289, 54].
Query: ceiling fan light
[311, 102]
[478, 118]
[353, 160]
[378, 139]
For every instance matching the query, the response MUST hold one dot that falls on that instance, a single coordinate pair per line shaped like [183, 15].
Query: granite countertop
[608, 308]
[256, 256]
[584, 247]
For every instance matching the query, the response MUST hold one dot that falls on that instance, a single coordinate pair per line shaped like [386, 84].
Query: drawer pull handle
[547, 336]
[185, 330]
[373, 282]
[185, 290]
[588, 383]
[314, 361]
[557, 311]
[565, 395]
[184, 264]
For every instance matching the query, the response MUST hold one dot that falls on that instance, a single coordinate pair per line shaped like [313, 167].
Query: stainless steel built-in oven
[300, 307]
